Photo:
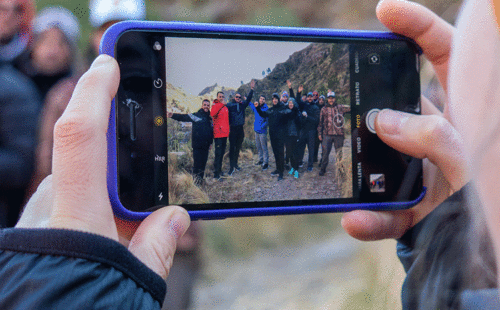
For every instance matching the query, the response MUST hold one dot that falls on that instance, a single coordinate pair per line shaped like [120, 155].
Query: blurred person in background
[19, 109]
[54, 52]
[105, 13]
[54, 66]
[15, 29]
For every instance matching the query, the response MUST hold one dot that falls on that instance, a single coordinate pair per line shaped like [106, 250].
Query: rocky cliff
[320, 67]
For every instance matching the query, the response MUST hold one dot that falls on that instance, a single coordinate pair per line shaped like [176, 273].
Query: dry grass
[181, 187]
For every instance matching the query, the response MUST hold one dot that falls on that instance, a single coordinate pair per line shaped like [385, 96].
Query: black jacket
[278, 116]
[312, 120]
[294, 123]
[64, 269]
[202, 131]
[237, 110]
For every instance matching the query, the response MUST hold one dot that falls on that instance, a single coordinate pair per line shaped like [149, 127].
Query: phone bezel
[107, 46]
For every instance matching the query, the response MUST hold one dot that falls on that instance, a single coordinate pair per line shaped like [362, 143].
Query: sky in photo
[193, 64]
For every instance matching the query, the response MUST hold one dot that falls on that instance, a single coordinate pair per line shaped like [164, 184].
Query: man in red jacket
[220, 116]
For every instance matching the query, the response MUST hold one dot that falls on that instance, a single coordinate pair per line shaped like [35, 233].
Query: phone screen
[163, 144]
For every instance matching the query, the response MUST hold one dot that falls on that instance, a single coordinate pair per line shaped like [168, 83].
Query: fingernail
[100, 60]
[390, 122]
[179, 223]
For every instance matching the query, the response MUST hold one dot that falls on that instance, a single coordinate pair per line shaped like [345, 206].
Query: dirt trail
[252, 183]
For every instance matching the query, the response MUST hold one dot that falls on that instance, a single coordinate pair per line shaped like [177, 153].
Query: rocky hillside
[318, 67]
[180, 102]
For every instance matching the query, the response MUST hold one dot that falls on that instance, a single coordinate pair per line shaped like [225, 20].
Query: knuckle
[436, 128]
[73, 130]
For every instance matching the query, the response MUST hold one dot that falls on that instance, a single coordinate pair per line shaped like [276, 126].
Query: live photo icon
[374, 59]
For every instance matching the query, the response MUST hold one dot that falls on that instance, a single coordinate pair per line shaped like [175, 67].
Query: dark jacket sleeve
[437, 257]
[249, 98]
[262, 113]
[64, 269]
[182, 118]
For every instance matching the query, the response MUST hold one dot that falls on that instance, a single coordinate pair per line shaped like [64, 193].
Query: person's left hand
[75, 196]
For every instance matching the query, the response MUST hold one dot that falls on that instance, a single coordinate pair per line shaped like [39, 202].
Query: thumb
[369, 226]
[155, 240]
[425, 136]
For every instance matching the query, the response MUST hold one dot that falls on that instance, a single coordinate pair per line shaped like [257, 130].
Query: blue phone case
[108, 47]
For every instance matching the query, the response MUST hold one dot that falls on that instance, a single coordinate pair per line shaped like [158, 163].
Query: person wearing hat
[260, 128]
[278, 116]
[321, 103]
[292, 135]
[310, 119]
[54, 65]
[53, 56]
[105, 13]
[331, 129]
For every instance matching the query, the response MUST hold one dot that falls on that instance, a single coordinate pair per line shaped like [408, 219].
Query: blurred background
[287, 262]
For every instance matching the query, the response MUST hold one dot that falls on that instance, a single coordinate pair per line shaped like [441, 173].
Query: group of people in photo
[294, 122]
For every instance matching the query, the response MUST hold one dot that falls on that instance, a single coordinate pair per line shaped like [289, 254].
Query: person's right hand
[301, 88]
[429, 136]
[289, 83]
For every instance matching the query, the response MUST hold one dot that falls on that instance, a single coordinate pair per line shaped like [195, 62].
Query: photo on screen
[199, 68]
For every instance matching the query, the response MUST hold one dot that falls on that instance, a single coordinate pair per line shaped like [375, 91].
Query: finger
[155, 240]
[80, 153]
[429, 31]
[428, 108]
[425, 136]
[369, 225]
[36, 213]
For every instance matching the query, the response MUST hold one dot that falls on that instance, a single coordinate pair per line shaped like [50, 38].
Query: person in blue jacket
[260, 128]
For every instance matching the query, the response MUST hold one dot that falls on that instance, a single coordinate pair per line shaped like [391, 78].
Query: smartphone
[173, 66]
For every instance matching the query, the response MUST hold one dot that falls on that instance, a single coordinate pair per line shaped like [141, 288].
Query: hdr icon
[160, 158]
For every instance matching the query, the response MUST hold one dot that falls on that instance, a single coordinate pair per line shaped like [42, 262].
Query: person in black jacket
[237, 109]
[278, 116]
[292, 136]
[309, 132]
[202, 137]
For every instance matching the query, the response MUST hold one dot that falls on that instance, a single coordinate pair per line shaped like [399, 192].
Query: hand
[256, 104]
[429, 136]
[75, 196]
[320, 138]
[169, 114]
[304, 113]
[301, 88]
[252, 84]
[289, 83]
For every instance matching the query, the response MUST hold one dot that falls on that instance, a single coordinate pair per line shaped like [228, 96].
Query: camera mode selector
[370, 120]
